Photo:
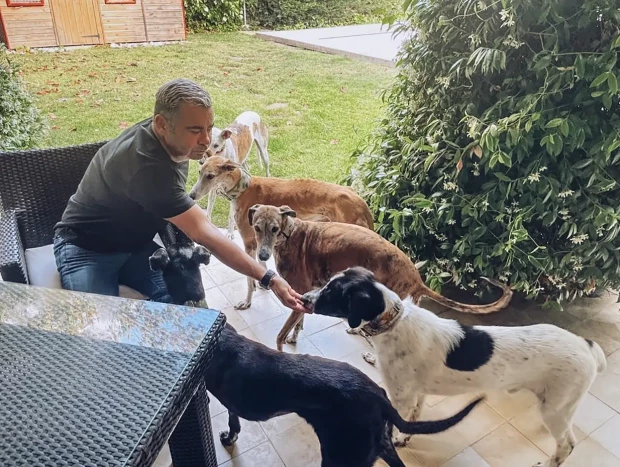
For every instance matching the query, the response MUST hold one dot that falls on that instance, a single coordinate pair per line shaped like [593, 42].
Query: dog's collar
[240, 186]
[384, 322]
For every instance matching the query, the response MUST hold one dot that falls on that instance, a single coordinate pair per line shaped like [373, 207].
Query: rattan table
[91, 380]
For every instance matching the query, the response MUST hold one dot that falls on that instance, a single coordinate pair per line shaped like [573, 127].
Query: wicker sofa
[35, 186]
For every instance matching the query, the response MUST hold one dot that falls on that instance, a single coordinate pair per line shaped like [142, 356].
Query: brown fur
[241, 138]
[311, 199]
[315, 251]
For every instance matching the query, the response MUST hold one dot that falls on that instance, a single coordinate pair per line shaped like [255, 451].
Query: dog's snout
[192, 195]
[264, 254]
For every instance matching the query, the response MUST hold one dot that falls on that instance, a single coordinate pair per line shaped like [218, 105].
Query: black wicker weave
[91, 380]
[35, 186]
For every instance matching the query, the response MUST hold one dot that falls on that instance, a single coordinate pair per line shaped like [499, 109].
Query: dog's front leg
[228, 438]
[210, 203]
[250, 249]
[231, 220]
[409, 405]
[292, 338]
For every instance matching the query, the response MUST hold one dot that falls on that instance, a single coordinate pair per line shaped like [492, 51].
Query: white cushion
[42, 271]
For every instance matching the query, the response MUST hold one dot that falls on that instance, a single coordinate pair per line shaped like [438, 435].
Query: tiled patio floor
[505, 431]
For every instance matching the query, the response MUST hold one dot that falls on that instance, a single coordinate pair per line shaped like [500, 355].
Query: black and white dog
[420, 353]
[351, 415]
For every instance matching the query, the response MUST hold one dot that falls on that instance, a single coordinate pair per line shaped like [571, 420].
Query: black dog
[351, 415]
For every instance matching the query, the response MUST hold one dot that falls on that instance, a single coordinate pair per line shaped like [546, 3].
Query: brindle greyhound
[308, 254]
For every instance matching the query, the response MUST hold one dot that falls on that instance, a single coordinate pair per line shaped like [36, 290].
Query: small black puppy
[351, 415]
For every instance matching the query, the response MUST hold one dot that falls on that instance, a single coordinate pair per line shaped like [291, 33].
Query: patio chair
[35, 186]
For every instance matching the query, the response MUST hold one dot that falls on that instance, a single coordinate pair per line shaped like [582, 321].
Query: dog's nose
[192, 195]
[263, 255]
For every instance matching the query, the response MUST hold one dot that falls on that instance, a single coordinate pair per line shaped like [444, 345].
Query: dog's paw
[401, 440]
[226, 439]
[244, 305]
[353, 331]
[291, 339]
[369, 357]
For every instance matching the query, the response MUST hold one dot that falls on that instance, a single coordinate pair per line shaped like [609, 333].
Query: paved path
[369, 42]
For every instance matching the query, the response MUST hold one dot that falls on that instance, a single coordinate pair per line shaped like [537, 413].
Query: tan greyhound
[312, 200]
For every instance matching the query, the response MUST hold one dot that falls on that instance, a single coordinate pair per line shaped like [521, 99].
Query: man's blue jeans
[88, 271]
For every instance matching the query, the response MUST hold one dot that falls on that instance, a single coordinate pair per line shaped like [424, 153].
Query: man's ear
[358, 299]
[159, 260]
[201, 254]
[251, 212]
[287, 211]
[226, 133]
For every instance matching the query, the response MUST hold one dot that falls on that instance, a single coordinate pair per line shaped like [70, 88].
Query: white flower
[427, 209]
[579, 239]
[475, 40]
[512, 42]
[468, 267]
[566, 193]
[543, 168]
[485, 203]
[450, 186]
[533, 177]
[600, 231]
[451, 222]
[472, 284]
[564, 214]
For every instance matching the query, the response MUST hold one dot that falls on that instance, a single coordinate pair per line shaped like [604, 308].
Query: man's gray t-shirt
[129, 188]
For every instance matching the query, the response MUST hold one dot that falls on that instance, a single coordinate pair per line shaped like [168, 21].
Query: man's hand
[287, 295]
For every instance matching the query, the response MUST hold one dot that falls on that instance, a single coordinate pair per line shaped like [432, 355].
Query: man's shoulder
[134, 148]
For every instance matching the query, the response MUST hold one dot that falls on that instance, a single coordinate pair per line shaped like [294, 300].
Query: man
[133, 183]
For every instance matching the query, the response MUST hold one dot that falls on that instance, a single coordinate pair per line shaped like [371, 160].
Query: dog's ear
[358, 299]
[201, 254]
[159, 260]
[287, 211]
[230, 166]
[251, 212]
[226, 133]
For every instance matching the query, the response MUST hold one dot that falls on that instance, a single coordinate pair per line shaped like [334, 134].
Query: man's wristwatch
[264, 282]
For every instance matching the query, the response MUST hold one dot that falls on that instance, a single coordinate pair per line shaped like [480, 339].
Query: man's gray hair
[170, 96]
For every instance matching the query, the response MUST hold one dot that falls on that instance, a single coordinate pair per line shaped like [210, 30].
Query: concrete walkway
[368, 42]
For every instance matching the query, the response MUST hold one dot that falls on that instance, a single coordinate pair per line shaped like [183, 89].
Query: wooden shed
[48, 23]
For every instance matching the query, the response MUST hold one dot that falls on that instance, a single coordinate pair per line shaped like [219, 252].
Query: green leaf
[600, 79]
[597, 93]
[528, 126]
[542, 63]
[607, 101]
[580, 67]
[556, 122]
[564, 128]
[612, 82]
[502, 177]
[615, 44]
[583, 164]
[535, 262]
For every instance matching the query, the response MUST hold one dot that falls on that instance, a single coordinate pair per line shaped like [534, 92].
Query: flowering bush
[499, 154]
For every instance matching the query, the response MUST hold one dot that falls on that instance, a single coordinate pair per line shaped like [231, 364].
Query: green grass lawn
[317, 107]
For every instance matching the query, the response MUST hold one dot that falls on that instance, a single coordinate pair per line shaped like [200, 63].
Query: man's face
[189, 134]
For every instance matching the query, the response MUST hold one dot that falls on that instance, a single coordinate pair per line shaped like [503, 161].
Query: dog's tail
[427, 427]
[502, 302]
[598, 354]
